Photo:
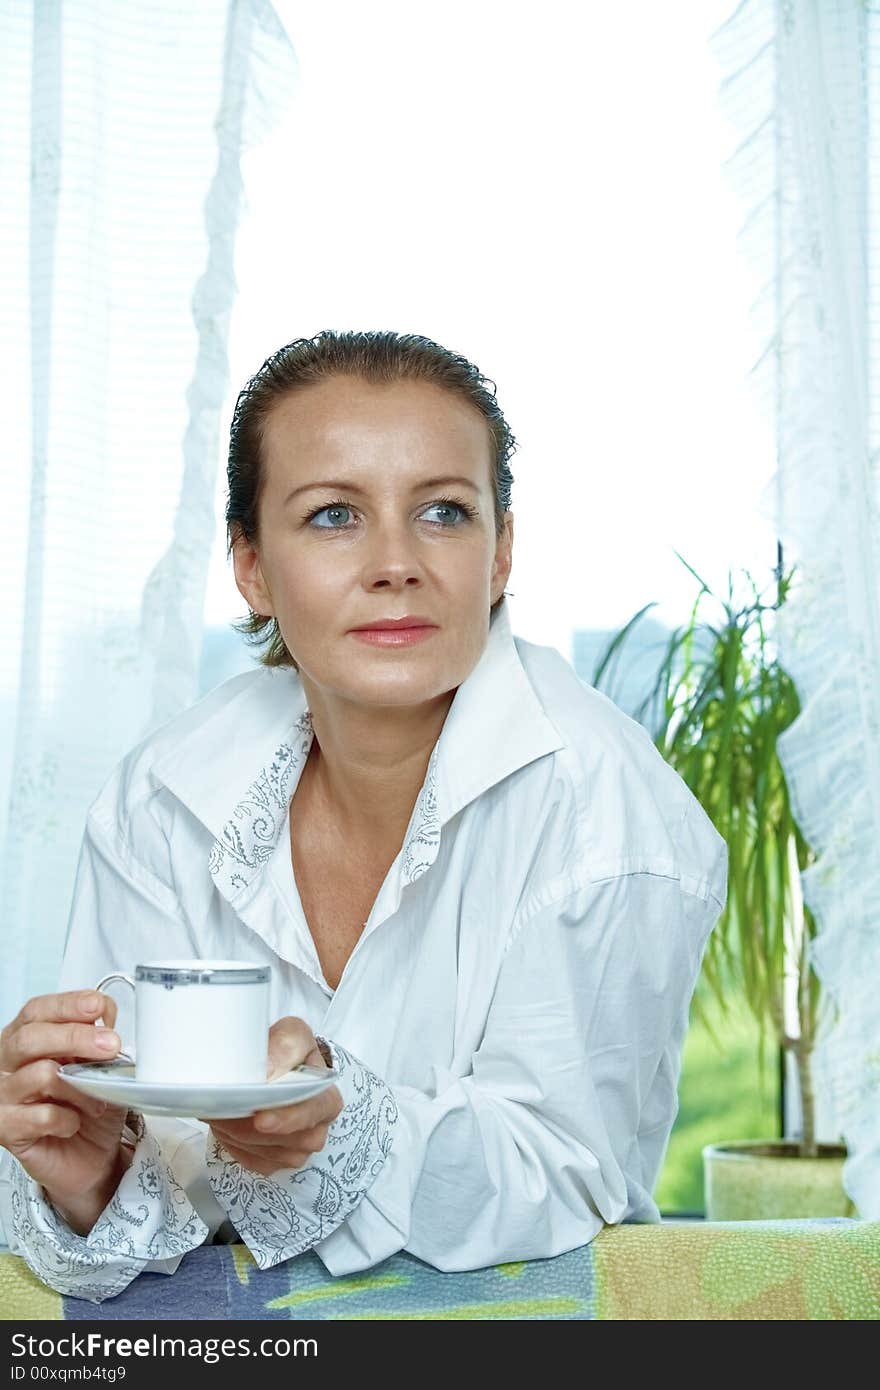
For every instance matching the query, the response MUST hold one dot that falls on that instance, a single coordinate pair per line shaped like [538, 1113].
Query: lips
[394, 624]
[396, 635]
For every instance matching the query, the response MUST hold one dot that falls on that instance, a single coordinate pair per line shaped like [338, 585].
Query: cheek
[304, 592]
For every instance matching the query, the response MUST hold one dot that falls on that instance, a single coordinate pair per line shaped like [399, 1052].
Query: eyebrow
[343, 486]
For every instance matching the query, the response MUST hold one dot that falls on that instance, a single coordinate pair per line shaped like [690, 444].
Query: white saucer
[116, 1083]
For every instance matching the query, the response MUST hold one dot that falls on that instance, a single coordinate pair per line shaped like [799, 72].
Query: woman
[484, 895]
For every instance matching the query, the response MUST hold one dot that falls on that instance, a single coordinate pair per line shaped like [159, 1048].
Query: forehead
[343, 416]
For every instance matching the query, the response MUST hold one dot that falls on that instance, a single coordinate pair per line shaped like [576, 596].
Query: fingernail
[107, 1040]
[269, 1122]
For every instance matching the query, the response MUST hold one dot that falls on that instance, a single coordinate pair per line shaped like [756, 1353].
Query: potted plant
[716, 711]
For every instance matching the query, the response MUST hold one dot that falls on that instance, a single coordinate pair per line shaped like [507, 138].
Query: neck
[367, 766]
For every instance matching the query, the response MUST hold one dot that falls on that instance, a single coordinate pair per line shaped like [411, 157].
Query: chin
[401, 687]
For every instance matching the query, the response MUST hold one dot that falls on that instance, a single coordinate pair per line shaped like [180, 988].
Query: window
[544, 194]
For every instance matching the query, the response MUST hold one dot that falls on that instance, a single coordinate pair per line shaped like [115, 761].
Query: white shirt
[508, 1027]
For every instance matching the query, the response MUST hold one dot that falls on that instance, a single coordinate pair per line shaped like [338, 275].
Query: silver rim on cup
[156, 975]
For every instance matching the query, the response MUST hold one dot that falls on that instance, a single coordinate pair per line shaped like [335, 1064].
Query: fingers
[63, 1041]
[108, 1010]
[275, 1139]
[24, 1124]
[303, 1141]
[291, 1042]
[268, 1160]
[40, 1081]
[60, 1026]
[306, 1141]
[76, 1004]
[290, 1119]
[267, 1125]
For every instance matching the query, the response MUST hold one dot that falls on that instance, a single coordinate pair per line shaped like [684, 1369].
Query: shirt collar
[495, 725]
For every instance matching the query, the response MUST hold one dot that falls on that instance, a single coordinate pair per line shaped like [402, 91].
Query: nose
[394, 560]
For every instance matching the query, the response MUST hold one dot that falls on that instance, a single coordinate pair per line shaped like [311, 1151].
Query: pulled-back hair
[377, 357]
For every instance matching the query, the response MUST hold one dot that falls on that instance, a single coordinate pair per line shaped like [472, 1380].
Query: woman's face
[352, 530]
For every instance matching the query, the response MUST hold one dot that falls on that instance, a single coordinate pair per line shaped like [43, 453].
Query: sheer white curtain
[121, 130]
[802, 82]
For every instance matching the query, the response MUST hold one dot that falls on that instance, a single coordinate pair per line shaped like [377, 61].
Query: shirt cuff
[148, 1218]
[291, 1211]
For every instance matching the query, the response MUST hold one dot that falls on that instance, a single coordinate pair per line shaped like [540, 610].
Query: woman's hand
[67, 1141]
[287, 1137]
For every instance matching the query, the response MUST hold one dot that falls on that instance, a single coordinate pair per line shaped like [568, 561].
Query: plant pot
[767, 1179]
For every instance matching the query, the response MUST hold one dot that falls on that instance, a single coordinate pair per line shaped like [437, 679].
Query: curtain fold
[801, 82]
[120, 195]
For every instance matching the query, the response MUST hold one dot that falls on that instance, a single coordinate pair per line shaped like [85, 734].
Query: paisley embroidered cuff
[294, 1209]
[149, 1217]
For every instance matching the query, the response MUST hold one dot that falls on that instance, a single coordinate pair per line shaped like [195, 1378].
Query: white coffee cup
[202, 1022]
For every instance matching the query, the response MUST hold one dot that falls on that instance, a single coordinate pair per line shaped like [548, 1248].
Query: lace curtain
[801, 81]
[123, 125]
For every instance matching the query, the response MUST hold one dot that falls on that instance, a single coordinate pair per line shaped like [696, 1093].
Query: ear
[249, 578]
[503, 562]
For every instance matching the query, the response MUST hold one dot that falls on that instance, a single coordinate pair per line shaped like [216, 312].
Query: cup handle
[125, 1054]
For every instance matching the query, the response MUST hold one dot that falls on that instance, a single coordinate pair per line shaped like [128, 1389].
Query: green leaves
[722, 700]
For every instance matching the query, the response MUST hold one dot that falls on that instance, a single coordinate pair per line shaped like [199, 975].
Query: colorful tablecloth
[812, 1269]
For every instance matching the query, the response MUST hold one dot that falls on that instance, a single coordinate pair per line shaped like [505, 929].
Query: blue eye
[447, 503]
[333, 507]
[339, 505]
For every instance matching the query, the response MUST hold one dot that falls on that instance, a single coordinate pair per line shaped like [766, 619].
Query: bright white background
[540, 189]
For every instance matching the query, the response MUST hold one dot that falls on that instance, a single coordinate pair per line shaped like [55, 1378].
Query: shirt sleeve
[293, 1210]
[150, 1222]
[537, 1147]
